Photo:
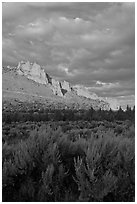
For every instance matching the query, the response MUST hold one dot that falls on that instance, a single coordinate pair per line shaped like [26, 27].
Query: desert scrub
[49, 165]
[107, 174]
[38, 170]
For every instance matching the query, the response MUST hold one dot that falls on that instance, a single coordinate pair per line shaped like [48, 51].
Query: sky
[90, 44]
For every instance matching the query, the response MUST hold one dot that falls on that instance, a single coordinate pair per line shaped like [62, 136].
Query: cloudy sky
[92, 44]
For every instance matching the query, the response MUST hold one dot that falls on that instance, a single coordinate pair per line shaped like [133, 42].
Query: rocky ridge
[36, 73]
[63, 89]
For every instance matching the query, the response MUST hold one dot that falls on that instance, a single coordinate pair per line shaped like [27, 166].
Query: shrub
[107, 173]
[51, 165]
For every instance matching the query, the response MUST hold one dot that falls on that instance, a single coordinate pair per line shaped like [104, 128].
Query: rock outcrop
[83, 91]
[63, 89]
[32, 71]
[66, 86]
[55, 86]
[36, 73]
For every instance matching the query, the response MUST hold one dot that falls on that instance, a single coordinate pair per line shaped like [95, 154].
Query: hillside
[29, 82]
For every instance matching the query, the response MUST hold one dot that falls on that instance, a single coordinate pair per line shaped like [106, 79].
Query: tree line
[69, 115]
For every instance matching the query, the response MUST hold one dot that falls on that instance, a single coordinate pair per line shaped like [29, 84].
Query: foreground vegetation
[81, 160]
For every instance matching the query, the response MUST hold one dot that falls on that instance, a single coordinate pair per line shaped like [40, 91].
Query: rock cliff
[36, 73]
[32, 71]
[62, 89]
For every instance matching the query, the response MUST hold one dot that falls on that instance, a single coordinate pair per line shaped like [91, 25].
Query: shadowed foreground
[68, 163]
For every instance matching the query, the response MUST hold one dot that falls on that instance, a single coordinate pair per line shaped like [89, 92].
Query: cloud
[81, 42]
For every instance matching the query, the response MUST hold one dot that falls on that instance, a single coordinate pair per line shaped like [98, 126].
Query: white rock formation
[32, 71]
[36, 73]
[83, 91]
[65, 85]
[56, 87]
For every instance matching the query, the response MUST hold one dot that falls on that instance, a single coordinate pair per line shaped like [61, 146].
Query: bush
[107, 173]
[52, 166]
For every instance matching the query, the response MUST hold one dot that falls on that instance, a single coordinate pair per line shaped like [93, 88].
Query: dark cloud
[80, 42]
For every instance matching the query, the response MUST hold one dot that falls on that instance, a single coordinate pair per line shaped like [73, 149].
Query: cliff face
[63, 89]
[55, 86]
[32, 71]
[66, 86]
[36, 73]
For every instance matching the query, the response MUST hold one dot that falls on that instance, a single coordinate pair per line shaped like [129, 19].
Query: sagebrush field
[70, 160]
